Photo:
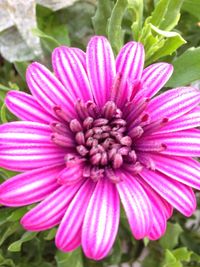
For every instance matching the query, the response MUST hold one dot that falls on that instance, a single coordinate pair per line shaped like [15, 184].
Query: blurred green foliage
[162, 26]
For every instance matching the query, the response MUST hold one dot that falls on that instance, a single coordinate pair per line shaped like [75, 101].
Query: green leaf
[69, 259]
[3, 114]
[158, 15]
[186, 68]
[21, 68]
[168, 42]
[172, 15]
[8, 232]
[100, 19]
[170, 239]
[50, 234]
[170, 260]
[49, 42]
[17, 214]
[182, 254]
[166, 14]
[193, 7]
[27, 236]
[137, 7]
[115, 32]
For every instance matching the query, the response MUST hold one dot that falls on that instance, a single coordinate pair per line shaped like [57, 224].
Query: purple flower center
[100, 139]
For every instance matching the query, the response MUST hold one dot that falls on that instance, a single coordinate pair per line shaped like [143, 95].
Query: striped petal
[173, 103]
[136, 205]
[187, 121]
[184, 170]
[68, 236]
[154, 78]
[71, 174]
[50, 211]
[48, 91]
[100, 68]
[184, 143]
[71, 71]
[26, 108]
[177, 194]
[28, 157]
[29, 187]
[25, 132]
[101, 220]
[159, 215]
[129, 65]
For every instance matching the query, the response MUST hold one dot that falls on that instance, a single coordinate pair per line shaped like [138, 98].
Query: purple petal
[48, 91]
[184, 143]
[101, 68]
[69, 231]
[154, 78]
[187, 121]
[158, 209]
[173, 103]
[23, 157]
[101, 220]
[29, 187]
[71, 71]
[177, 194]
[25, 133]
[50, 211]
[136, 204]
[184, 170]
[26, 108]
[71, 174]
[129, 64]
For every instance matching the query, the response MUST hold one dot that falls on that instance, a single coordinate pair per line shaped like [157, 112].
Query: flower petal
[68, 67]
[69, 231]
[27, 157]
[48, 91]
[136, 204]
[25, 132]
[186, 121]
[173, 103]
[101, 220]
[158, 209]
[29, 187]
[50, 211]
[154, 78]
[130, 61]
[184, 170]
[101, 68]
[177, 194]
[129, 65]
[26, 108]
[71, 174]
[184, 143]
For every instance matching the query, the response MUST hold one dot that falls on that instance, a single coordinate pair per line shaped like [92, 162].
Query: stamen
[109, 110]
[81, 109]
[80, 138]
[62, 140]
[75, 126]
[82, 150]
[117, 161]
[112, 176]
[101, 139]
[60, 128]
[61, 113]
[87, 123]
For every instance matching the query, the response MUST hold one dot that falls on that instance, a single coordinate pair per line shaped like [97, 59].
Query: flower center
[99, 137]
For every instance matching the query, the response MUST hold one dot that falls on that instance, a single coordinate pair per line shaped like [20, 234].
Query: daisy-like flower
[94, 133]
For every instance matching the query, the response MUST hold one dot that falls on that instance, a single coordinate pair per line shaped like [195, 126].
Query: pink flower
[94, 134]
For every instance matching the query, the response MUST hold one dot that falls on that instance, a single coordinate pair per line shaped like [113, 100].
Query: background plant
[30, 30]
